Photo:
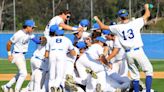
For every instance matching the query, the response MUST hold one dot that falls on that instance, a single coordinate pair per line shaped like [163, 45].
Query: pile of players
[94, 60]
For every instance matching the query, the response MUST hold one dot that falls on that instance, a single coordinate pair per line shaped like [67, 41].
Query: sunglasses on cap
[68, 16]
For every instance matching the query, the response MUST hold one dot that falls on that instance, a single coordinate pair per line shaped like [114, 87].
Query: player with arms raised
[129, 35]
[60, 21]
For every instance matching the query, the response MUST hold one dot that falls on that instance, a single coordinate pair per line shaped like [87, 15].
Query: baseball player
[129, 35]
[85, 24]
[60, 21]
[70, 68]
[96, 31]
[39, 66]
[117, 54]
[90, 59]
[20, 40]
[56, 50]
[82, 35]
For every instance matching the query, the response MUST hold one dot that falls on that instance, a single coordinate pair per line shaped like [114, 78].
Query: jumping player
[60, 21]
[129, 35]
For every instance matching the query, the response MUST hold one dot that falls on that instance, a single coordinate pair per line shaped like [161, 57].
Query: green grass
[158, 65]
[4, 82]
[6, 67]
[158, 85]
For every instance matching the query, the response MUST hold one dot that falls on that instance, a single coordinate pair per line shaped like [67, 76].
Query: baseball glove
[43, 41]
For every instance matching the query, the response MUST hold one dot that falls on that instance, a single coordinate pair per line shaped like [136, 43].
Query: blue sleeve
[36, 40]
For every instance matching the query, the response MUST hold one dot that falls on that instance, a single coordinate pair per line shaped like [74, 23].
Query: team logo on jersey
[58, 40]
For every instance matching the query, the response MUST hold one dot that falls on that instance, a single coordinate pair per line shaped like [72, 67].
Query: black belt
[57, 49]
[20, 52]
[38, 58]
[128, 50]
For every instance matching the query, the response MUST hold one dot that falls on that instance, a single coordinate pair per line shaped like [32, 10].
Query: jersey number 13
[128, 34]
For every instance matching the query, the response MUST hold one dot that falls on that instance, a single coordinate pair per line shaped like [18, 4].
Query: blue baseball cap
[81, 45]
[53, 28]
[29, 23]
[95, 26]
[59, 32]
[122, 13]
[70, 37]
[84, 22]
[101, 39]
[106, 32]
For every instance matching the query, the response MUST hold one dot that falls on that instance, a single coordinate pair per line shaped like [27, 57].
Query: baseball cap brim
[94, 29]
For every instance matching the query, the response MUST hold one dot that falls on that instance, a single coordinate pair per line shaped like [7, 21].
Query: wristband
[9, 53]
[74, 28]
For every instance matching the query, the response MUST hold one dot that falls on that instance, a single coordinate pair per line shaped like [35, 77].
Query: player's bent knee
[149, 71]
[23, 73]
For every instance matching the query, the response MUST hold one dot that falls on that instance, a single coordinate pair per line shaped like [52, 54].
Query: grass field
[6, 68]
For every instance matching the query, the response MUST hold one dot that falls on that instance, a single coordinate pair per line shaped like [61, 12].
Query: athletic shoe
[59, 89]
[54, 89]
[90, 71]
[70, 79]
[11, 90]
[5, 88]
[119, 90]
[98, 88]
[150, 90]
[71, 86]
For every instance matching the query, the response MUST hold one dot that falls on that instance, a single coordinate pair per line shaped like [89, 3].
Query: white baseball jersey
[116, 44]
[84, 36]
[129, 33]
[40, 52]
[59, 43]
[72, 58]
[54, 21]
[95, 51]
[21, 41]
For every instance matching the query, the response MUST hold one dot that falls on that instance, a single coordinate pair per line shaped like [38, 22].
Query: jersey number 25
[128, 34]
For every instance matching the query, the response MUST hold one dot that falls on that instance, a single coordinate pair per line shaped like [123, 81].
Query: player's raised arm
[102, 26]
[147, 12]
[67, 27]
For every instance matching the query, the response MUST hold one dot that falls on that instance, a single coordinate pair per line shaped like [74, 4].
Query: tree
[1, 12]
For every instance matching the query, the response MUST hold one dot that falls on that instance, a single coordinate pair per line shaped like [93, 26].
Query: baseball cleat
[4, 88]
[98, 87]
[144, 90]
[70, 86]
[90, 71]
[69, 78]
[119, 90]
[54, 89]
[59, 89]
[11, 90]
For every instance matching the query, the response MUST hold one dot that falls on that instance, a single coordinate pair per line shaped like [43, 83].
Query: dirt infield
[4, 77]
